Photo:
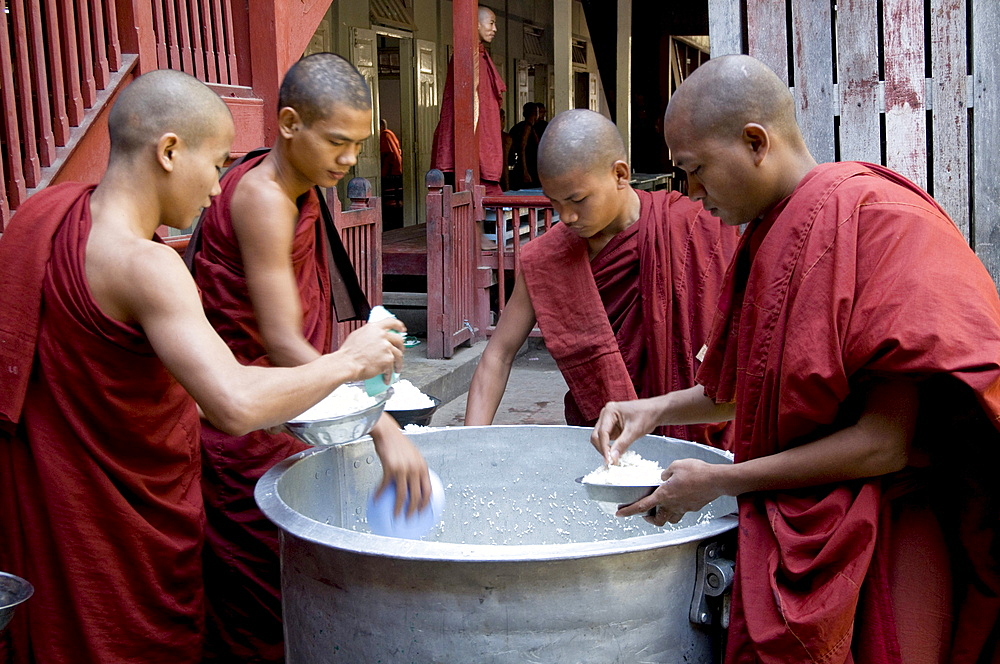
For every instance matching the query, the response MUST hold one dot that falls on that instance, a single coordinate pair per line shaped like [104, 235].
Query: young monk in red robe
[857, 347]
[489, 93]
[263, 264]
[105, 351]
[624, 289]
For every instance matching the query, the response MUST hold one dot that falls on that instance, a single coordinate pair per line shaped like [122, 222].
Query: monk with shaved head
[624, 289]
[858, 352]
[489, 87]
[275, 280]
[107, 356]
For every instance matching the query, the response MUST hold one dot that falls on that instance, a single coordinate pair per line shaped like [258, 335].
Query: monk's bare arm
[264, 220]
[157, 292]
[490, 380]
[876, 445]
[622, 422]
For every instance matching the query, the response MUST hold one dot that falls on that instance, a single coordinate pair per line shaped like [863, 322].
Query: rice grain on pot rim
[631, 470]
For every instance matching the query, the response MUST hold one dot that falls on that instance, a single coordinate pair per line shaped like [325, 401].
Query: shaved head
[725, 94]
[579, 141]
[318, 82]
[164, 101]
[485, 13]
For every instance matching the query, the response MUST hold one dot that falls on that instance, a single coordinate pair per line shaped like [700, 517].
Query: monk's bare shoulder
[260, 208]
[134, 277]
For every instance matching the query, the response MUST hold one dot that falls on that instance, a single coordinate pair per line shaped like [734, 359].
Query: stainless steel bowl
[619, 494]
[13, 591]
[342, 429]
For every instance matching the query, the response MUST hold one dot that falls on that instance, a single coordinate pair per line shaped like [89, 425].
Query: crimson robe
[391, 153]
[488, 129]
[860, 274]
[658, 283]
[242, 580]
[100, 502]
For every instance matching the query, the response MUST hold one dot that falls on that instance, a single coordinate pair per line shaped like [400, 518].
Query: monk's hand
[403, 464]
[620, 424]
[375, 348]
[688, 485]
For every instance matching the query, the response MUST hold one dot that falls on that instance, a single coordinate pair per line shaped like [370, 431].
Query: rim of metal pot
[303, 527]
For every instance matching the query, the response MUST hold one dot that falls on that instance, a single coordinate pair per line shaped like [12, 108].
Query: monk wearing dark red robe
[624, 289]
[105, 350]
[489, 93]
[267, 265]
[857, 348]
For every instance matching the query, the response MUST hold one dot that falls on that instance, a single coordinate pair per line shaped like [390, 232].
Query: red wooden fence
[61, 61]
[360, 227]
[473, 251]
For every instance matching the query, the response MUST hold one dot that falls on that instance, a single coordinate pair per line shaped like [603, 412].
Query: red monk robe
[100, 503]
[487, 125]
[242, 581]
[858, 274]
[658, 282]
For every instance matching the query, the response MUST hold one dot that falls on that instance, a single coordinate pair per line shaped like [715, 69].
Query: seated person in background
[267, 267]
[624, 289]
[858, 351]
[107, 357]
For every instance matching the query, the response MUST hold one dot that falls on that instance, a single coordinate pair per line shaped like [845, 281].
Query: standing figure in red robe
[265, 264]
[107, 357]
[489, 93]
[857, 349]
[624, 289]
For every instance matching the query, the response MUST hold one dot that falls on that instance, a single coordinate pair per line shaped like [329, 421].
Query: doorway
[390, 114]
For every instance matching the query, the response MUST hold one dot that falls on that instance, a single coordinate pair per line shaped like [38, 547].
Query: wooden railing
[56, 58]
[516, 219]
[61, 62]
[360, 227]
[473, 256]
[198, 37]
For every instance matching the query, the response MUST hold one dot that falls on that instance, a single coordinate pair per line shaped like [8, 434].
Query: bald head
[725, 94]
[318, 82]
[160, 102]
[579, 141]
[486, 13]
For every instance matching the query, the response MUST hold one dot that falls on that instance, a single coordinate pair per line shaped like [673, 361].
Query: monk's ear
[623, 174]
[166, 151]
[289, 122]
[757, 139]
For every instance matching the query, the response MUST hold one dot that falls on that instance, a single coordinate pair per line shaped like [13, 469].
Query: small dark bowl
[418, 416]
[13, 591]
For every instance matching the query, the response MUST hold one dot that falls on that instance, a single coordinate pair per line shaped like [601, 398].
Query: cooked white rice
[631, 470]
[407, 396]
[344, 400]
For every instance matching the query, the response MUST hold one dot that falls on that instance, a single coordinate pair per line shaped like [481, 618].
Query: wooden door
[364, 55]
[426, 112]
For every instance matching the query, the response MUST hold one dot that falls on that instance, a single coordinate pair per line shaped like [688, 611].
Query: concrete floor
[534, 394]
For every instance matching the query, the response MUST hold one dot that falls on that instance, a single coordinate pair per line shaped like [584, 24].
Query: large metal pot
[523, 568]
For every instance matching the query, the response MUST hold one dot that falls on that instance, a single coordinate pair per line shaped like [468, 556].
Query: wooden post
[623, 75]
[466, 36]
[562, 45]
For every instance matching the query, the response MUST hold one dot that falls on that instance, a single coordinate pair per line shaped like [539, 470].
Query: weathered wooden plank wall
[912, 84]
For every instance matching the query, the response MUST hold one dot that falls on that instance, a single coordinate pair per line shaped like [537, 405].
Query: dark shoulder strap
[349, 301]
[194, 244]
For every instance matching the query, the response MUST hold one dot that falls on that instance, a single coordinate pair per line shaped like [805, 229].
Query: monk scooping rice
[275, 280]
[105, 350]
[858, 351]
[624, 289]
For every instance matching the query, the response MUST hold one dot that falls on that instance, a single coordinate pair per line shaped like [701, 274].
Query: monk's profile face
[487, 26]
[325, 150]
[721, 172]
[194, 180]
[587, 202]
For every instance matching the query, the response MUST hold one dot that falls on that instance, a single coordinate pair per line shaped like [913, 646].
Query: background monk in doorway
[858, 351]
[106, 350]
[273, 287]
[624, 289]
[489, 93]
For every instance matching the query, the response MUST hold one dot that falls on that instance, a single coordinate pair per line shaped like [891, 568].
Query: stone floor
[534, 394]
